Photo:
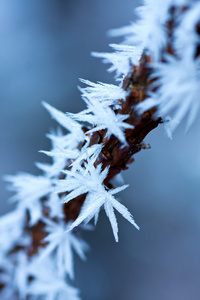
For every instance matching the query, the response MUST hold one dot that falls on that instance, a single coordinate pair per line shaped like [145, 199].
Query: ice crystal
[103, 92]
[176, 77]
[48, 283]
[178, 92]
[121, 59]
[60, 245]
[101, 116]
[89, 179]
[68, 123]
[29, 189]
[11, 231]
[149, 31]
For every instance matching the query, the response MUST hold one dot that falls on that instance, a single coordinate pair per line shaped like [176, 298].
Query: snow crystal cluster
[38, 239]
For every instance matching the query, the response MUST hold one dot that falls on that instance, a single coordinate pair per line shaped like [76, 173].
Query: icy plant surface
[158, 67]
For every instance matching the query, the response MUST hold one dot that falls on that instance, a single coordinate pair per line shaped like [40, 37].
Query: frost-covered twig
[158, 66]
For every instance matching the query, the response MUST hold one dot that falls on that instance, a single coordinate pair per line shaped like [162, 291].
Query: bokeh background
[45, 47]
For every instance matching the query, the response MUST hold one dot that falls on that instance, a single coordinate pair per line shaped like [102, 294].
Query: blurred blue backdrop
[45, 48]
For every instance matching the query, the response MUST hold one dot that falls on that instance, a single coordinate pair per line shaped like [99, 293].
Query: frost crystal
[178, 92]
[60, 245]
[103, 92]
[101, 116]
[121, 59]
[89, 179]
[29, 190]
[48, 283]
[176, 75]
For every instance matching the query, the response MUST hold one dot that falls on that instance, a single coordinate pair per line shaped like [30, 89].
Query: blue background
[45, 47]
